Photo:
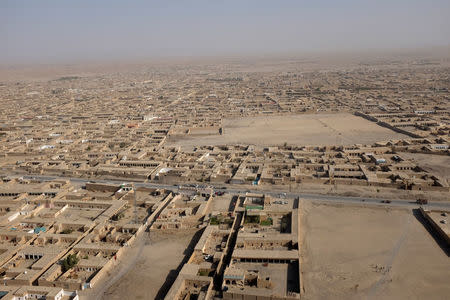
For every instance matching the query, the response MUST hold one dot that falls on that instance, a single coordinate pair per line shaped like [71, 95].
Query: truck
[421, 201]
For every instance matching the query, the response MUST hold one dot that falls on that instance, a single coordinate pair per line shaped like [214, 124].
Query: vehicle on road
[422, 201]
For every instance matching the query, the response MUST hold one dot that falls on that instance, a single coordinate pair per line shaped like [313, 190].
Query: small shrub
[214, 221]
[67, 231]
[267, 222]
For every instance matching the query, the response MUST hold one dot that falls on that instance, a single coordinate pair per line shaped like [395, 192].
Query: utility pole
[135, 206]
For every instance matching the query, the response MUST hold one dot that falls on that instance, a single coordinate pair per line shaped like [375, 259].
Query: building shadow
[441, 243]
[173, 274]
[293, 279]
[296, 202]
[232, 204]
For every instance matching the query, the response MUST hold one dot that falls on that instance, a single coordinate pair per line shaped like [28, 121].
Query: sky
[79, 30]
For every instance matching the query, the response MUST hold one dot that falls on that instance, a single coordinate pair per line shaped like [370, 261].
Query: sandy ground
[307, 129]
[370, 253]
[163, 253]
[145, 268]
[221, 203]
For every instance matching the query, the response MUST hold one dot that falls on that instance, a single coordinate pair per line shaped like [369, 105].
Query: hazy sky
[47, 31]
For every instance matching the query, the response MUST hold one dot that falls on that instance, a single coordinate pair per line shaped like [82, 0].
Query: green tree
[69, 262]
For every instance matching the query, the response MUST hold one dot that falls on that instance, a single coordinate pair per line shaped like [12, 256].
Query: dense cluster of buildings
[250, 251]
[417, 124]
[118, 125]
[380, 164]
[55, 235]
[58, 238]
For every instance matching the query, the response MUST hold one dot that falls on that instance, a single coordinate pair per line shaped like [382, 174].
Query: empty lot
[370, 253]
[306, 129]
[147, 267]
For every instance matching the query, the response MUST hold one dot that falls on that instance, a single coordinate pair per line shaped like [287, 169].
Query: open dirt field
[307, 129]
[147, 268]
[221, 203]
[370, 253]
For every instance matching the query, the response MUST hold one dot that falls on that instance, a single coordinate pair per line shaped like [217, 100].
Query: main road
[232, 189]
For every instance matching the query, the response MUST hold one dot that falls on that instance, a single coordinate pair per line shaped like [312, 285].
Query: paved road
[445, 205]
[123, 268]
